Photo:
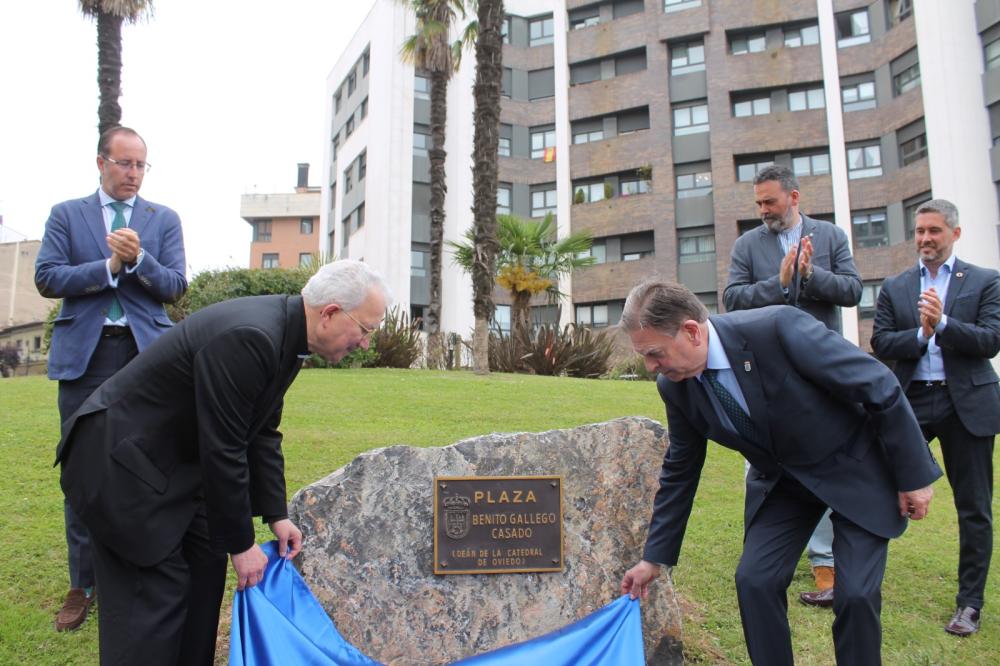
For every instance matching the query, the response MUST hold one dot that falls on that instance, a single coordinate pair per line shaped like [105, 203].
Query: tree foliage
[10, 358]
[210, 287]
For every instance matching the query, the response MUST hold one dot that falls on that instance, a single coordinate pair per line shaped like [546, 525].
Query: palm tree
[529, 262]
[110, 14]
[486, 93]
[430, 49]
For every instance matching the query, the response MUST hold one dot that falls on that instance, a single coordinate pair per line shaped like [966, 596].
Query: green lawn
[331, 416]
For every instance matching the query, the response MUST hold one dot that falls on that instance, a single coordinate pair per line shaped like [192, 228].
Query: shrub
[579, 197]
[10, 358]
[210, 287]
[609, 190]
[631, 368]
[576, 351]
[503, 352]
[396, 341]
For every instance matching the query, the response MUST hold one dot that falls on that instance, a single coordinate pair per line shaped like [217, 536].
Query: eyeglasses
[364, 329]
[128, 164]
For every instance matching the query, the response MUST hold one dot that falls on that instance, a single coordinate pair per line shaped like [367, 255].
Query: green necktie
[741, 420]
[115, 311]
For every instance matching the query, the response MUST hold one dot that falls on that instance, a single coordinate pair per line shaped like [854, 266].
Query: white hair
[345, 282]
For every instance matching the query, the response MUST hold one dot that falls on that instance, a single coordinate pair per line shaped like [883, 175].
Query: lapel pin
[746, 366]
[959, 274]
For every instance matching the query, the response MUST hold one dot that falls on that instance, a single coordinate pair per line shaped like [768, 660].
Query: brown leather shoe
[964, 622]
[824, 577]
[821, 598]
[74, 610]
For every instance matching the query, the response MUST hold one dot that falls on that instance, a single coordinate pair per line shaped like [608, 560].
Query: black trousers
[772, 547]
[166, 614]
[968, 463]
[110, 356]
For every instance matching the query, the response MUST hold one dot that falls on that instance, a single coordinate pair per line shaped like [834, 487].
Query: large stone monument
[368, 554]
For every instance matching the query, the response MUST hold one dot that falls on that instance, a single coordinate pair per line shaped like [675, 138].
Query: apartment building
[22, 309]
[285, 225]
[644, 122]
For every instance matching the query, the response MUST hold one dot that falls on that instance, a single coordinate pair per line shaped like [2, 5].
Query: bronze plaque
[497, 524]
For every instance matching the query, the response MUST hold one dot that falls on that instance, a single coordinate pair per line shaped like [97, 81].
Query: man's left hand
[915, 503]
[805, 259]
[289, 538]
[124, 243]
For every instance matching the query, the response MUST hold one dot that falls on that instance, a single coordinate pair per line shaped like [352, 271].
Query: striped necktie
[115, 311]
[741, 420]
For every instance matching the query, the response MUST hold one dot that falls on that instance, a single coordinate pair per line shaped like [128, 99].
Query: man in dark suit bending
[168, 461]
[940, 322]
[823, 425]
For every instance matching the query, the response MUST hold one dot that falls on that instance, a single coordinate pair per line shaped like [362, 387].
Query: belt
[115, 331]
[930, 382]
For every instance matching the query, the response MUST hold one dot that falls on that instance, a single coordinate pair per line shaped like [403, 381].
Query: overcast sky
[228, 94]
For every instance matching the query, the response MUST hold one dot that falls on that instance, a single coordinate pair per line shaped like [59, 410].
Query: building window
[541, 140]
[503, 147]
[906, 80]
[418, 263]
[505, 30]
[305, 259]
[992, 52]
[858, 96]
[588, 136]
[678, 5]
[501, 318]
[364, 108]
[349, 126]
[421, 87]
[869, 299]
[503, 200]
[805, 35]
[587, 192]
[540, 31]
[421, 140]
[910, 207]
[360, 211]
[746, 169]
[37, 343]
[913, 150]
[631, 186]
[598, 250]
[748, 42]
[348, 184]
[262, 231]
[336, 102]
[697, 184]
[365, 63]
[352, 83]
[269, 260]
[585, 22]
[899, 11]
[864, 161]
[543, 201]
[810, 98]
[696, 247]
[853, 28]
[759, 105]
[691, 119]
[869, 228]
[687, 57]
[362, 165]
[595, 316]
[306, 226]
[813, 164]
[336, 144]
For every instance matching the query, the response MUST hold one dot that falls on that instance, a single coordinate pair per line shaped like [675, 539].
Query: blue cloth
[279, 621]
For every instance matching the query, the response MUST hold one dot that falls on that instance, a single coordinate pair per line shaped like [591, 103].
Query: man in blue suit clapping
[115, 259]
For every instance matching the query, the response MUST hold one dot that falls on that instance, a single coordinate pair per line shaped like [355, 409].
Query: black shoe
[964, 622]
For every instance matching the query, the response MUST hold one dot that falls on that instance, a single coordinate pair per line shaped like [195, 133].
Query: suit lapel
[772, 247]
[912, 285]
[955, 285]
[142, 212]
[747, 373]
[94, 217]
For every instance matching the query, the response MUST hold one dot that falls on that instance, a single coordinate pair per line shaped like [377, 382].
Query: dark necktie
[741, 420]
[115, 311]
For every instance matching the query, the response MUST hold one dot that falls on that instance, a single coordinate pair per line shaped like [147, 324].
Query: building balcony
[600, 98]
[527, 113]
[622, 215]
[691, 21]
[604, 39]
[610, 281]
[770, 133]
[624, 152]
[773, 68]
[526, 171]
[889, 114]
